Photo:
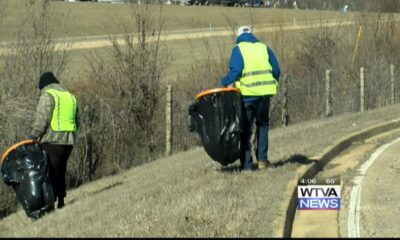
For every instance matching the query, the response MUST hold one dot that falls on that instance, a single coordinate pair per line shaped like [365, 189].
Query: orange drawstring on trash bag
[216, 116]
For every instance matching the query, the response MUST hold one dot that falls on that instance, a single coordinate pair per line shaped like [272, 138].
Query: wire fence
[295, 102]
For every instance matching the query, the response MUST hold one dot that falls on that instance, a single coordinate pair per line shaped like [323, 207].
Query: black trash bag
[217, 118]
[26, 170]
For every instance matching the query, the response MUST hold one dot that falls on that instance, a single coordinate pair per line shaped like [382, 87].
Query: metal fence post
[362, 104]
[392, 83]
[168, 119]
[285, 112]
[328, 109]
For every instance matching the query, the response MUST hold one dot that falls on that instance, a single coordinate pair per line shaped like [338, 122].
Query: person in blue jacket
[254, 69]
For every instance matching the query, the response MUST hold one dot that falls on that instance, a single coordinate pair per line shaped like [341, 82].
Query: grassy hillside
[189, 195]
[85, 19]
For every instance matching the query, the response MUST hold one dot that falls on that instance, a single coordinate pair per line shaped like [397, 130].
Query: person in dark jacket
[54, 127]
[254, 69]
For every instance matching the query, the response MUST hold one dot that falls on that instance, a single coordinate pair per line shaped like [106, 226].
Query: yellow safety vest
[64, 113]
[257, 78]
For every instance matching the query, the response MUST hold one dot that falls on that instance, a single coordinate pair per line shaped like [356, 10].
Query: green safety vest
[257, 78]
[64, 113]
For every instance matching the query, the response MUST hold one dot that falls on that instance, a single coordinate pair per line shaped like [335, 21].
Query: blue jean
[258, 109]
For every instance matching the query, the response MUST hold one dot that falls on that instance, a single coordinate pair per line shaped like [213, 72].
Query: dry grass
[85, 18]
[188, 52]
[188, 195]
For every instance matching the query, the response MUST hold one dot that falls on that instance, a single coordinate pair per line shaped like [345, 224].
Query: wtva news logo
[318, 197]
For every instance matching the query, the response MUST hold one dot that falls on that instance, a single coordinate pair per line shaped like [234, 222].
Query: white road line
[353, 221]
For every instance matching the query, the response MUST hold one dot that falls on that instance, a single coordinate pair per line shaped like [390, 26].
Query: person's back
[254, 69]
[264, 59]
[51, 96]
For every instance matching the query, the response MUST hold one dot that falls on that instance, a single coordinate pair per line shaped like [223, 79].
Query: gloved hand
[32, 137]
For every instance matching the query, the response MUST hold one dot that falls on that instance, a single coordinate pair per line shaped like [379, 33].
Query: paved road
[377, 212]
[370, 182]
[87, 42]
[103, 40]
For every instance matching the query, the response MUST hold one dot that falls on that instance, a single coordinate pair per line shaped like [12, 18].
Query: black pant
[258, 109]
[58, 157]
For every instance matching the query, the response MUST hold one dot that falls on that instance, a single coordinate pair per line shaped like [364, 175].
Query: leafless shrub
[121, 110]
[283, 47]
[319, 52]
[12, 112]
[33, 52]
[211, 55]
[335, 48]
[378, 48]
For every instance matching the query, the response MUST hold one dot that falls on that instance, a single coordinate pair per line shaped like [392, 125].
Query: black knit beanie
[46, 79]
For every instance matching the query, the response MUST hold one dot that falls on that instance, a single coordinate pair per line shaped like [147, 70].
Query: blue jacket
[236, 63]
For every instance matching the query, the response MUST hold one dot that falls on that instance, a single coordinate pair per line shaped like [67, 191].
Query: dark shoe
[60, 203]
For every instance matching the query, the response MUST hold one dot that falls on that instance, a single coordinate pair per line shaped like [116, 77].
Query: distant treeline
[354, 5]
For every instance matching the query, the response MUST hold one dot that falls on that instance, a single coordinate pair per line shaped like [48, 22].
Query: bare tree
[34, 50]
[124, 107]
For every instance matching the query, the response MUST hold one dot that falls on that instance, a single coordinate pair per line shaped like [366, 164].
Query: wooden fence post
[362, 104]
[392, 83]
[168, 123]
[328, 109]
[285, 112]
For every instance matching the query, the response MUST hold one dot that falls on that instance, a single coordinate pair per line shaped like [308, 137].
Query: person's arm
[276, 72]
[43, 114]
[236, 66]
